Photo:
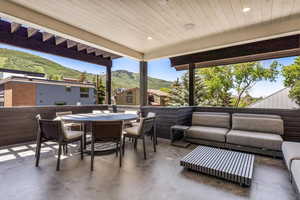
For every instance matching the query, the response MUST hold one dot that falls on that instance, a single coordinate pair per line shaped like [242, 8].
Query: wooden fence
[17, 124]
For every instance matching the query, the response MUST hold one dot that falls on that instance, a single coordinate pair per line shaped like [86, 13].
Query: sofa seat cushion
[291, 151]
[295, 171]
[255, 139]
[207, 133]
[132, 130]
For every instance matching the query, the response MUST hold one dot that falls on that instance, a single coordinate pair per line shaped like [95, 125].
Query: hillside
[18, 60]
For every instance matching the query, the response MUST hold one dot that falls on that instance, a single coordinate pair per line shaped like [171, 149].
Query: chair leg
[117, 148]
[92, 155]
[81, 149]
[65, 151]
[84, 136]
[123, 145]
[58, 157]
[135, 143]
[120, 154]
[144, 147]
[154, 143]
[38, 152]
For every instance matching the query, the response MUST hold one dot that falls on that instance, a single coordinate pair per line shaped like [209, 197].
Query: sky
[157, 68]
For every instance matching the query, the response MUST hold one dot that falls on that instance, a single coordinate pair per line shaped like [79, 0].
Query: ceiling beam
[81, 47]
[31, 32]
[71, 44]
[14, 27]
[90, 50]
[59, 40]
[267, 49]
[40, 21]
[46, 36]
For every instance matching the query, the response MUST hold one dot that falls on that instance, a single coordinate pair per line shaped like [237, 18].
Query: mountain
[126, 79]
[18, 60]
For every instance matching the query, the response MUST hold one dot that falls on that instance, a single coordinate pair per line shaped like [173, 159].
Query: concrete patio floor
[159, 177]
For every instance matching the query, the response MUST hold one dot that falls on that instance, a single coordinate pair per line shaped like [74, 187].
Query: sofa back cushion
[212, 119]
[259, 123]
[256, 115]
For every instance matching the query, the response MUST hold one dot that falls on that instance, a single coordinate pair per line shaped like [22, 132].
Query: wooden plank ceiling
[165, 28]
[13, 33]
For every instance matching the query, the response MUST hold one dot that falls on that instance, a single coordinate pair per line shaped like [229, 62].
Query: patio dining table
[87, 118]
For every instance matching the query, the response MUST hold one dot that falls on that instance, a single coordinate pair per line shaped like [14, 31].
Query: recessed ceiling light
[246, 9]
[149, 38]
[163, 2]
[189, 26]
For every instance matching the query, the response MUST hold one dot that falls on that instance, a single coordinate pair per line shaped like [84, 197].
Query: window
[68, 89]
[84, 92]
[129, 97]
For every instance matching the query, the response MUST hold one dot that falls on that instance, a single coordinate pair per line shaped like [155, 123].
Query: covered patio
[192, 34]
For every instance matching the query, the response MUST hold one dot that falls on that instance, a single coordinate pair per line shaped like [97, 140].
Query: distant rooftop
[277, 100]
[42, 81]
[13, 71]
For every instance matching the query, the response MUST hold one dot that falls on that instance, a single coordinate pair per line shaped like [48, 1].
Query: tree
[179, 94]
[295, 92]
[176, 94]
[55, 77]
[100, 90]
[246, 75]
[291, 74]
[216, 86]
[166, 90]
[82, 77]
[218, 82]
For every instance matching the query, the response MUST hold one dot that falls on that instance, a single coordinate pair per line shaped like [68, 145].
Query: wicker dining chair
[106, 131]
[68, 126]
[50, 130]
[140, 132]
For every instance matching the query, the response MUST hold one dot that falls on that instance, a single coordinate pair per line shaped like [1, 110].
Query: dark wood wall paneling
[167, 117]
[17, 124]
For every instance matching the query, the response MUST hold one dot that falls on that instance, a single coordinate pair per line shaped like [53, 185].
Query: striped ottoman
[230, 165]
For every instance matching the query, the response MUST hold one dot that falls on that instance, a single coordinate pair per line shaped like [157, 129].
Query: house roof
[42, 81]
[22, 72]
[277, 100]
[150, 91]
[158, 93]
[154, 29]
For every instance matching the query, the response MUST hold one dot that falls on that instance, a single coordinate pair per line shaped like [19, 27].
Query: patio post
[108, 85]
[143, 83]
[191, 84]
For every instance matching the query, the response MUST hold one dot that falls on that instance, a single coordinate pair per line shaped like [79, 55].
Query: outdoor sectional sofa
[291, 153]
[256, 133]
[246, 132]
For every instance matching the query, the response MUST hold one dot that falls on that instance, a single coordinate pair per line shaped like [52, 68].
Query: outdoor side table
[177, 133]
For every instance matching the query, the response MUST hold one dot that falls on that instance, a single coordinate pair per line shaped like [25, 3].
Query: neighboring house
[132, 97]
[22, 91]
[277, 100]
